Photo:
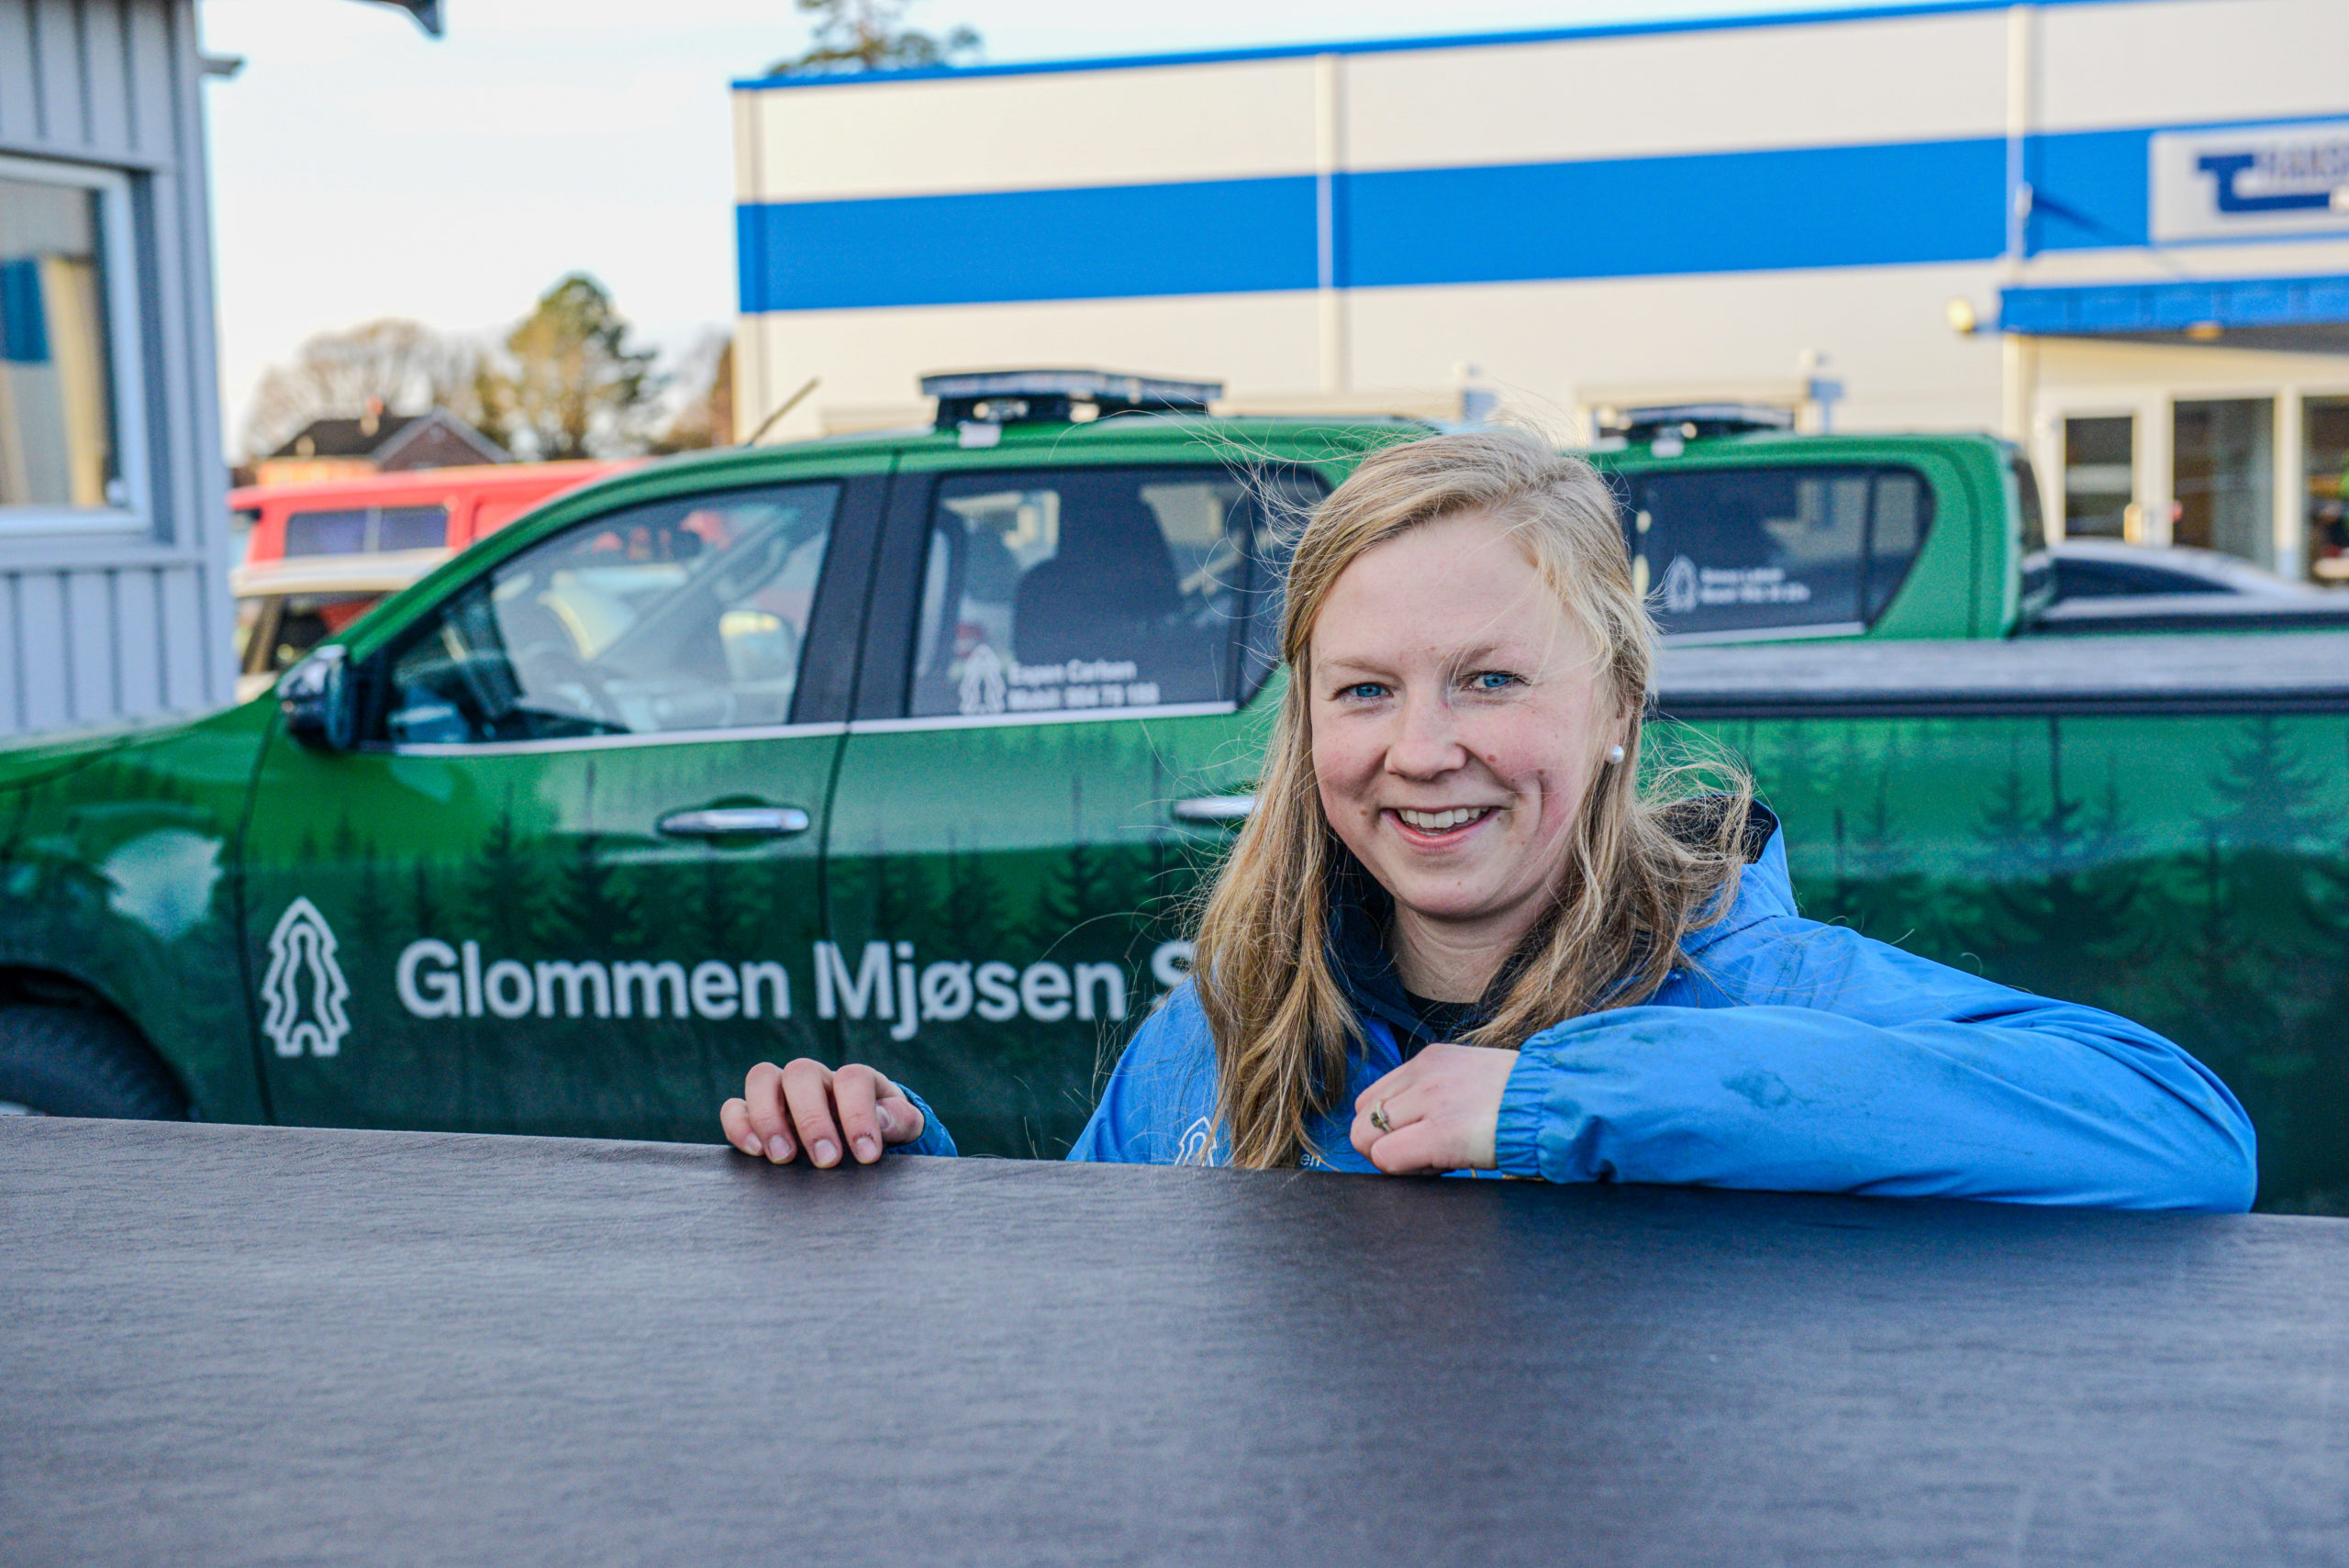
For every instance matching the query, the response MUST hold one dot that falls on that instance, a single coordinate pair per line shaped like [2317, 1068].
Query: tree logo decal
[983, 685]
[1679, 585]
[305, 989]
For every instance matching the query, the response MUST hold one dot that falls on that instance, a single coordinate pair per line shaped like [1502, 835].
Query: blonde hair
[1639, 869]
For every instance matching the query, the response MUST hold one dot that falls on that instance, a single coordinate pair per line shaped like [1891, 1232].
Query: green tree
[568, 385]
[2053, 912]
[371, 903]
[423, 909]
[2270, 789]
[503, 886]
[596, 908]
[866, 35]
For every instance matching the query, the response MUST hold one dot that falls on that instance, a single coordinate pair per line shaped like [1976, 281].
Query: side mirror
[318, 699]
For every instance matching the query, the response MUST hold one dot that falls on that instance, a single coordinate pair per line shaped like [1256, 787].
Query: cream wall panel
[872, 359]
[1542, 344]
[2189, 62]
[1908, 80]
[1882, 330]
[2080, 375]
[2282, 259]
[1025, 132]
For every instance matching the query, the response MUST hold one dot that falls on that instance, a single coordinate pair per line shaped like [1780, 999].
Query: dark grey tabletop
[232, 1345]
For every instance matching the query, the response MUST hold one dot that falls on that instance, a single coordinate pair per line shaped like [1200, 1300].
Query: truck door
[568, 882]
[1054, 739]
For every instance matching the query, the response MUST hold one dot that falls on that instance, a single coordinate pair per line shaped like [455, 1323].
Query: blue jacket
[1787, 1055]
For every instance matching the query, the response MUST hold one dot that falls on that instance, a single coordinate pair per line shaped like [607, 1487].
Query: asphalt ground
[249, 1345]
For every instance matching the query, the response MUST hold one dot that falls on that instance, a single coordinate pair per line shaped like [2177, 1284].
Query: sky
[361, 169]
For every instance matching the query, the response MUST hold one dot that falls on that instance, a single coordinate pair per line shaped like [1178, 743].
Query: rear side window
[367, 530]
[1729, 551]
[2034, 516]
[1096, 589]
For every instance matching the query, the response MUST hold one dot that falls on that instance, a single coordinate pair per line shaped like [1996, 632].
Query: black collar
[1360, 912]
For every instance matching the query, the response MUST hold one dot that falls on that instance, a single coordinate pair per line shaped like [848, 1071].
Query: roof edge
[1402, 45]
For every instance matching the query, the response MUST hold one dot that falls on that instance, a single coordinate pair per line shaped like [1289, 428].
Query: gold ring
[1378, 1118]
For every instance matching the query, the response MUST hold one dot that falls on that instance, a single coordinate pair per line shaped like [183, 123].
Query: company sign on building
[2251, 182]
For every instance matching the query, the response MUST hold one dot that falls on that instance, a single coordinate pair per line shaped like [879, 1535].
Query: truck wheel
[81, 1061]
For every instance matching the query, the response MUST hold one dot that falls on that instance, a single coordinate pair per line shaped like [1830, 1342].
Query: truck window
[1088, 588]
[1731, 551]
[681, 614]
[2025, 479]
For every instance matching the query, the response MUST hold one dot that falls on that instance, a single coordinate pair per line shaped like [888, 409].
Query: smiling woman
[1458, 934]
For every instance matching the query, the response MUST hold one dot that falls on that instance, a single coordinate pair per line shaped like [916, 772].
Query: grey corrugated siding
[92, 629]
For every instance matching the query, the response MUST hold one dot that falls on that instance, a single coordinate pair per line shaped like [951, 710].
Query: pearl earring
[1615, 755]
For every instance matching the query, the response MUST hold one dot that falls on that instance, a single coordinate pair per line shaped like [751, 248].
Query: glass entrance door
[2223, 476]
[2324, 467]
[2099, 477]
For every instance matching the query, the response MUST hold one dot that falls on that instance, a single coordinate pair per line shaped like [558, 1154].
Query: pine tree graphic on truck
[304, 990]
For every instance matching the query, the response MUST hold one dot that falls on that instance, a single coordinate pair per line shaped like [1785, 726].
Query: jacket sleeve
[934, 1139]
[1854, 1067]
[1158, 1107]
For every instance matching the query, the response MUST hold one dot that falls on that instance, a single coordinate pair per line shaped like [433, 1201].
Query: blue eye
[1365, 690]
[1491, 680]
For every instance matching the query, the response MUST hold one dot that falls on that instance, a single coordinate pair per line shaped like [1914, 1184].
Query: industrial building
[2115, 230]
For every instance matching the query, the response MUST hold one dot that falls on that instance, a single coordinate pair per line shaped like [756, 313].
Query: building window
[67, 454]
[2223, 477]
[2099, 477]
[2324, 422]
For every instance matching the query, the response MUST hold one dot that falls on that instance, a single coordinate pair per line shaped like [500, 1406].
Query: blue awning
[2306, 313]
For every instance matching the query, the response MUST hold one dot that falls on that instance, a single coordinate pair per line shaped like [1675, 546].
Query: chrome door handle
[1215, 808]
[735, 821]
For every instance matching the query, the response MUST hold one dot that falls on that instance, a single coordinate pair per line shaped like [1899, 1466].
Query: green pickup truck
[912, 747]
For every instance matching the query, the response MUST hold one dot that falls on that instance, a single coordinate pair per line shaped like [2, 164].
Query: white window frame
[118, 260]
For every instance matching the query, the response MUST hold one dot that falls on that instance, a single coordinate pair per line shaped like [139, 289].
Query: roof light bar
[1692, 421]
[1054, 397]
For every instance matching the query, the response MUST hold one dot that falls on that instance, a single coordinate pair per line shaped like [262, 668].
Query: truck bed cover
[2279, 672]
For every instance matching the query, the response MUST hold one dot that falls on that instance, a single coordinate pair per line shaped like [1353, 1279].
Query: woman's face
[1458, 722]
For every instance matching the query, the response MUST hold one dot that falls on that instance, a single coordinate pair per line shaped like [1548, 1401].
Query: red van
[430, 509]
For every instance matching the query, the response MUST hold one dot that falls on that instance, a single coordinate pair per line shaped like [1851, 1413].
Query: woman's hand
[823, 1110]
[1440, 1111]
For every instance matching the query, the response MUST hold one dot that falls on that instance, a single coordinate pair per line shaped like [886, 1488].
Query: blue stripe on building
[1725, 212]
[1710, 212]
[2090, 189]
[1201, 237]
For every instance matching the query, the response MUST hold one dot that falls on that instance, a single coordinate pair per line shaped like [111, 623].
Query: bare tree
[865, 35]
[404, 366]
[706, 416]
